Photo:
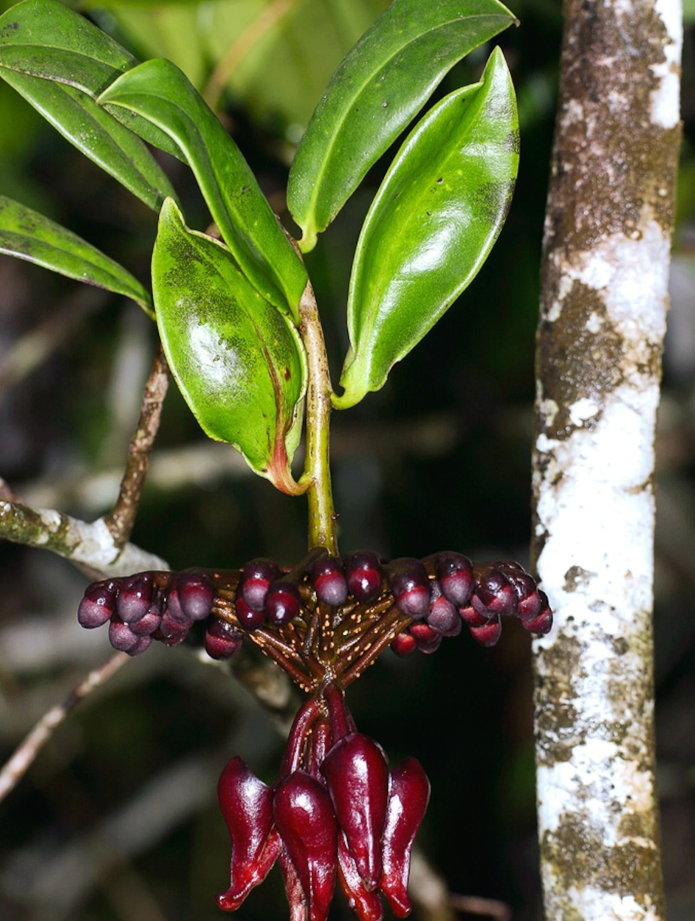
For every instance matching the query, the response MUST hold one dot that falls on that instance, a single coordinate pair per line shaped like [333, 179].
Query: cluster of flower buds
[335, 813]
[446, 590]
[148, 606]
[328, 615]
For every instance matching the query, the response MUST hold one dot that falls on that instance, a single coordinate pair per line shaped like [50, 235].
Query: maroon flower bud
[410, 586]
[366, 905]
[307, 825]
[543, 622]
[404, 644]
[427, 639]
[443, 617]
[363, 575]
[489, 634]
[135, 597]
[255, 581]
[282, 602]
[328, 579]
[247, 809]
[470, 616]
[530, 602]
[455, 575]
[493, 593]
[121, 636]
[174, 609]
[247, 617]
[357, 777]
[98, 604]
[222, 639]
[195, 593]
[147, 624]
[172, 631]
[409, 793]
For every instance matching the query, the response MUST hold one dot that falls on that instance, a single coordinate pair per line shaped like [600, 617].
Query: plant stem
[317, 472]
[121, 518]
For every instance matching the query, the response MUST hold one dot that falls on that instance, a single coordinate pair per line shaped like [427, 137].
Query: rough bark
[603, 314]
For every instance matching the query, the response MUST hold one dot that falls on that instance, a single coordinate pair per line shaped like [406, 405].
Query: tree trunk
[603, 314]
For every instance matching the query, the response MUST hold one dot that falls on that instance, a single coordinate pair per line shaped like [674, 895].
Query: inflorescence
[335, 812]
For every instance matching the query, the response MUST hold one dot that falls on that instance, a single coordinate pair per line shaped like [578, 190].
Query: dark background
[116, 820]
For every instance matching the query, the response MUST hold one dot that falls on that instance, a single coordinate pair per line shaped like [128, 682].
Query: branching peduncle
[317, 472]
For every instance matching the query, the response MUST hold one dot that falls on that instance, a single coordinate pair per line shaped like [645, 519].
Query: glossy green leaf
[375, 93]
[97, 135]
[431, 226]
[31, 236]
[46, 40]
[238, 361]
[162, 93]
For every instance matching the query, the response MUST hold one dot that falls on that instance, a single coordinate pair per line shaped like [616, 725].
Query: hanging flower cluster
[336, 813]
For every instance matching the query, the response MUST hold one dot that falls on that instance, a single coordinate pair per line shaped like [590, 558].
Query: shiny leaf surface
[238, 361]
[31, 236]
[46, 40]
[97, 135]
[433, 222]
[377, 90]
[160, 92]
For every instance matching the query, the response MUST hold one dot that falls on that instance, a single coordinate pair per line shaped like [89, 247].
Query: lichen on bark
[603, 308]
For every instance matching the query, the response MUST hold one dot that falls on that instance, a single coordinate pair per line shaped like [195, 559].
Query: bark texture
[603, 315]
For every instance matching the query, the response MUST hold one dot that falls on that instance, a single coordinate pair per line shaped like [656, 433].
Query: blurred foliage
[439, 459]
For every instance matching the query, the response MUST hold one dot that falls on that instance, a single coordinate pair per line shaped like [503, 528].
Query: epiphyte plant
[241, 333]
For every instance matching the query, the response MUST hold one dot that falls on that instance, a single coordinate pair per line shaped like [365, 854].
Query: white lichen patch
[582, 410]
[631, 275]
[93, 545]
[665, 99]
[598, 784]
[590, 902]
[548, 410]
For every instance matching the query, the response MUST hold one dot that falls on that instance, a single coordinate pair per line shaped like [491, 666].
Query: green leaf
[31, 236]
[97, 135]
[160, 92]
[45, 40]
[431, 226]
[375, 93]
[238, 361]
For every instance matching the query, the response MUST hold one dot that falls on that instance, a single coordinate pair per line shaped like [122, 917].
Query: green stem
[317, 472]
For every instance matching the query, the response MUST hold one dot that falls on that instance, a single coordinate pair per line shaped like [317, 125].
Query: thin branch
[21, 760]
[87, 544]
[240, 48]
[206, 462]
[121, 519]
[476, 905]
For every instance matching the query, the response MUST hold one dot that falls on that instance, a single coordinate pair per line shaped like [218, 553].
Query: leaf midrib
[365, 83]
